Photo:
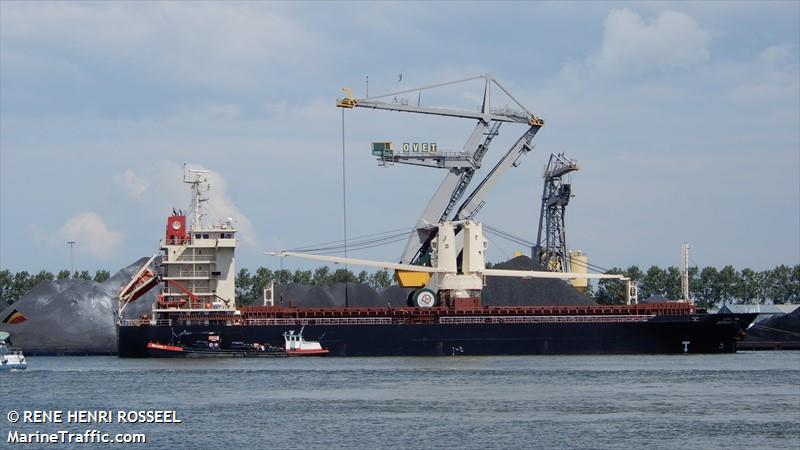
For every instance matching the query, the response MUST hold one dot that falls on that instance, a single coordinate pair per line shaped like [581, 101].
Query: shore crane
[551, 242]
[461, 167]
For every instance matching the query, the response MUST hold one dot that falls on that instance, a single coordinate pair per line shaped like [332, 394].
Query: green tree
[653, 283]
[322, 276]
[63, 275]
[302, 277]
[380, 279]
[763, 279]
[83, 275]
[101, 276]
[794, 285]
[707, 293]
[635, 274]
[43, 275]
[6, 286]
[672, 283]
[343, 276]
[746, 286]
[610, 291]
[726, 284]
[780, 286]
[363, 277]
[21, 284]
[283, 276]
[244, 285]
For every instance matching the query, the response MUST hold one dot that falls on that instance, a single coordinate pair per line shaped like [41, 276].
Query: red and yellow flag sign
[15, 317]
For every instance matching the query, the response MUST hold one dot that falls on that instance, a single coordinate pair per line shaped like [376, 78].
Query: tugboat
[10, 359]
[297, 346]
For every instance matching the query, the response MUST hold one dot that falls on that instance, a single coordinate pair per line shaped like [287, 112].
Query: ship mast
[685, 272]
[196, 178]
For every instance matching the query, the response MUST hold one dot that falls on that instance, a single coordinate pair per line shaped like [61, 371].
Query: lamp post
[71, 258]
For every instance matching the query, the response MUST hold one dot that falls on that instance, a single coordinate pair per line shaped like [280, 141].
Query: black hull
[695, 333]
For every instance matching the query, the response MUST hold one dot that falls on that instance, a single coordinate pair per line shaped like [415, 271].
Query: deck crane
[457, 285]
[461, 167]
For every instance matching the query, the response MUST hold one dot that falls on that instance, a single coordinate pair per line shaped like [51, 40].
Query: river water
[745, 400]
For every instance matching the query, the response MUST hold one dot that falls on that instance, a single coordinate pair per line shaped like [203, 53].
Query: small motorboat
[10, 359]
[297, 346]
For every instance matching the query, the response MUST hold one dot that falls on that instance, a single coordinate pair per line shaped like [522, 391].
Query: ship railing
[191, 273]
[143, 322]
[544, 319]
[194, 258]
[195, 290]
[321, 321]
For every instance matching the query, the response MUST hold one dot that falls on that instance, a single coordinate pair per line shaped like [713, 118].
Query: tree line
[15, 285]
[249, 287]
[709, 287]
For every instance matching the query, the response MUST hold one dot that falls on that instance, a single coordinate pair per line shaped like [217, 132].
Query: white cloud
[168, 191]
[132, 184]
[674, 39]
[221, 207]
[776, 55]
[228, 47]
[90, 233]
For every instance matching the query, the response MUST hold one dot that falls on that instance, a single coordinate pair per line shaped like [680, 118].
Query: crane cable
[344, 209]
[522, 241]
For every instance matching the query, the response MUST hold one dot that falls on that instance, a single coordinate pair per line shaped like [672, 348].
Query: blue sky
[684, 118]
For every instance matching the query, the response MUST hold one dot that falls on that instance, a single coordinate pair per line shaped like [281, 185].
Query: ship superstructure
[197, 263]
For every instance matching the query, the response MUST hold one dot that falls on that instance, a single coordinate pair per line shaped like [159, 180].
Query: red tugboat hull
[163, 347]
[300, 352]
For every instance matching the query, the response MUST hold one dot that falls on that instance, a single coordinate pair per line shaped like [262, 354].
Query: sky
[684, 118]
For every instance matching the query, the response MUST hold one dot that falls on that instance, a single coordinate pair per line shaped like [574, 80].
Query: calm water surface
[747, 400]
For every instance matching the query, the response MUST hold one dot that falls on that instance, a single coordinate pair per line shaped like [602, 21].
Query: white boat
[297, 346]
[10, 359]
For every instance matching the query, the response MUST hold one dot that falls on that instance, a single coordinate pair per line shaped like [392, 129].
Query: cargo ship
[196, 296]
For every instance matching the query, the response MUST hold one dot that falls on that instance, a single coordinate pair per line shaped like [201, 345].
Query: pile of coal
[777, 331]
[71, 316]
[355, 295]
[511, 291]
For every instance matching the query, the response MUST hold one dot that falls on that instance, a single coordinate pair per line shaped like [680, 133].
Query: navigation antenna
[197, 178]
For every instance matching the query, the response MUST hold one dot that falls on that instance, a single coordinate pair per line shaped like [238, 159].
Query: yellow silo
[578, 262]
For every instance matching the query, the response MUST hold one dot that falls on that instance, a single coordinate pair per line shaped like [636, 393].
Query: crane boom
[475, 201]
[488, 272]
[455, 183]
